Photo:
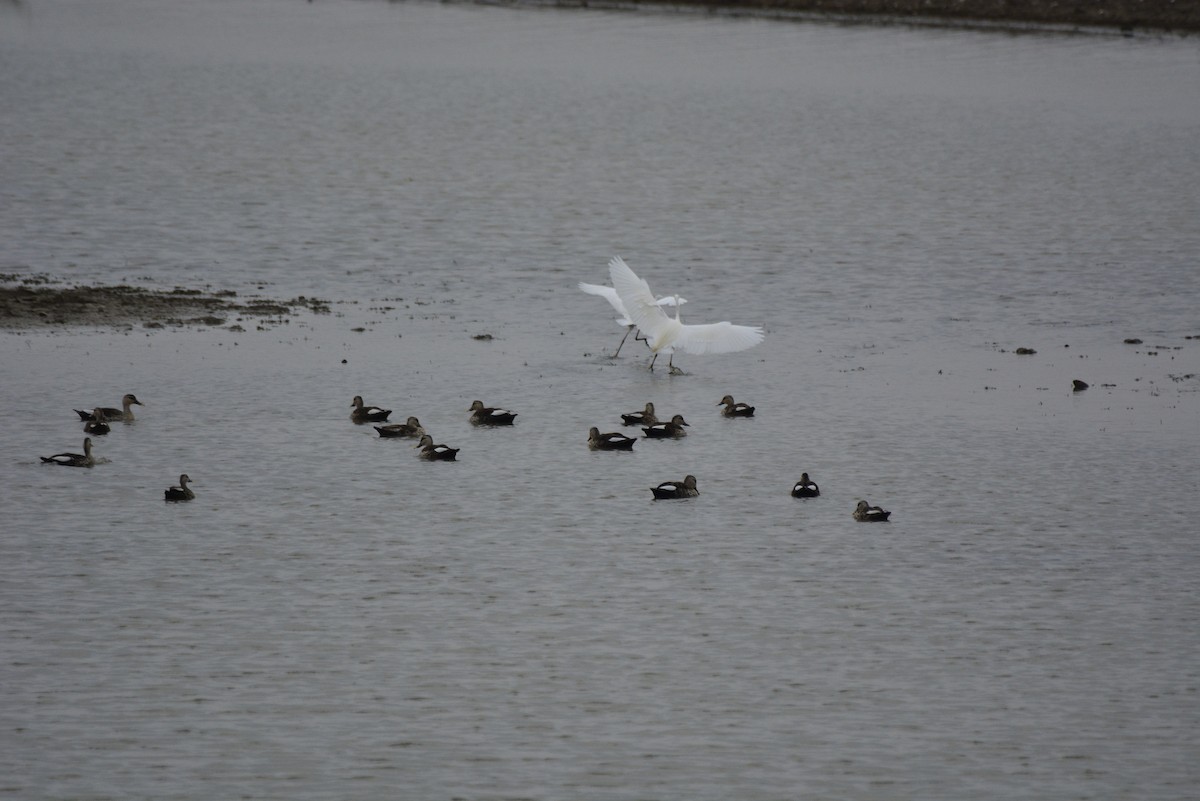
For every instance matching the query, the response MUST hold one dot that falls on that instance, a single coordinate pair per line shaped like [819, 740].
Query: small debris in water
[1079, 386]
[1024, 351]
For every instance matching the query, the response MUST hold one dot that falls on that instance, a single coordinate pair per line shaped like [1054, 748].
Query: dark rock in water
[1133, 341]
[1079, 386]
[1024, 351]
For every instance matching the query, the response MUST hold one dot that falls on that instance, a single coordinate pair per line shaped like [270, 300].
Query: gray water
[333, 618]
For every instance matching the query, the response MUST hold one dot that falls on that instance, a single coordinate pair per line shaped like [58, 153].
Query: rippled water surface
[333, 618]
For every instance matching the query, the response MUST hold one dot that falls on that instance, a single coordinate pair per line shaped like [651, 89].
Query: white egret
[669, 334]
[610, 294]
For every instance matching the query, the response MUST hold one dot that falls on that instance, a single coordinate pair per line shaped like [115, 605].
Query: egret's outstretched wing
[614, 300]
[722, 337]
[609, 294]
[635, 294]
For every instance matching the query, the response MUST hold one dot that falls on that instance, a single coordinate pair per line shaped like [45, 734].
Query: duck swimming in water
[488, 416]
[865, 513]
[367, 414]
[97, 426]
[643, 418]
[805, 488]
[180, 493]
[612, 441]
[410, 428]
[733, 409]
[436, 453]
[672, 429]
[676, 489]
[124, 413]
[84, 459]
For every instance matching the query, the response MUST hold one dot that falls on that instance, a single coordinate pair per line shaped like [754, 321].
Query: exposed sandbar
[41, 303]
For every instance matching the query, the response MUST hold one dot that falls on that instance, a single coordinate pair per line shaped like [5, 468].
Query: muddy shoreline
[33, 303]
[1124, 16]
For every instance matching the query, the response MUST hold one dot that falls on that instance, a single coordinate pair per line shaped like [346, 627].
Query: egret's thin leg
[652, 361]
[628, 331]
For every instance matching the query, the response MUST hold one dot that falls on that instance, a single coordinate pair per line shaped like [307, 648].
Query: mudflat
[41, 302]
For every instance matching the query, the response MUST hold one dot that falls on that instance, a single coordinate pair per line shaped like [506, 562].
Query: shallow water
[332, 617]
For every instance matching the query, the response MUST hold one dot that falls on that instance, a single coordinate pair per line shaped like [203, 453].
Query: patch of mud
[38, 302]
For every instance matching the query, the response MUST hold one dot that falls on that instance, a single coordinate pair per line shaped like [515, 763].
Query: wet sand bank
[42, 303]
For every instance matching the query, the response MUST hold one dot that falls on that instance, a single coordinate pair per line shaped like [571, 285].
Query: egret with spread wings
[669, 334]
[610, 294]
